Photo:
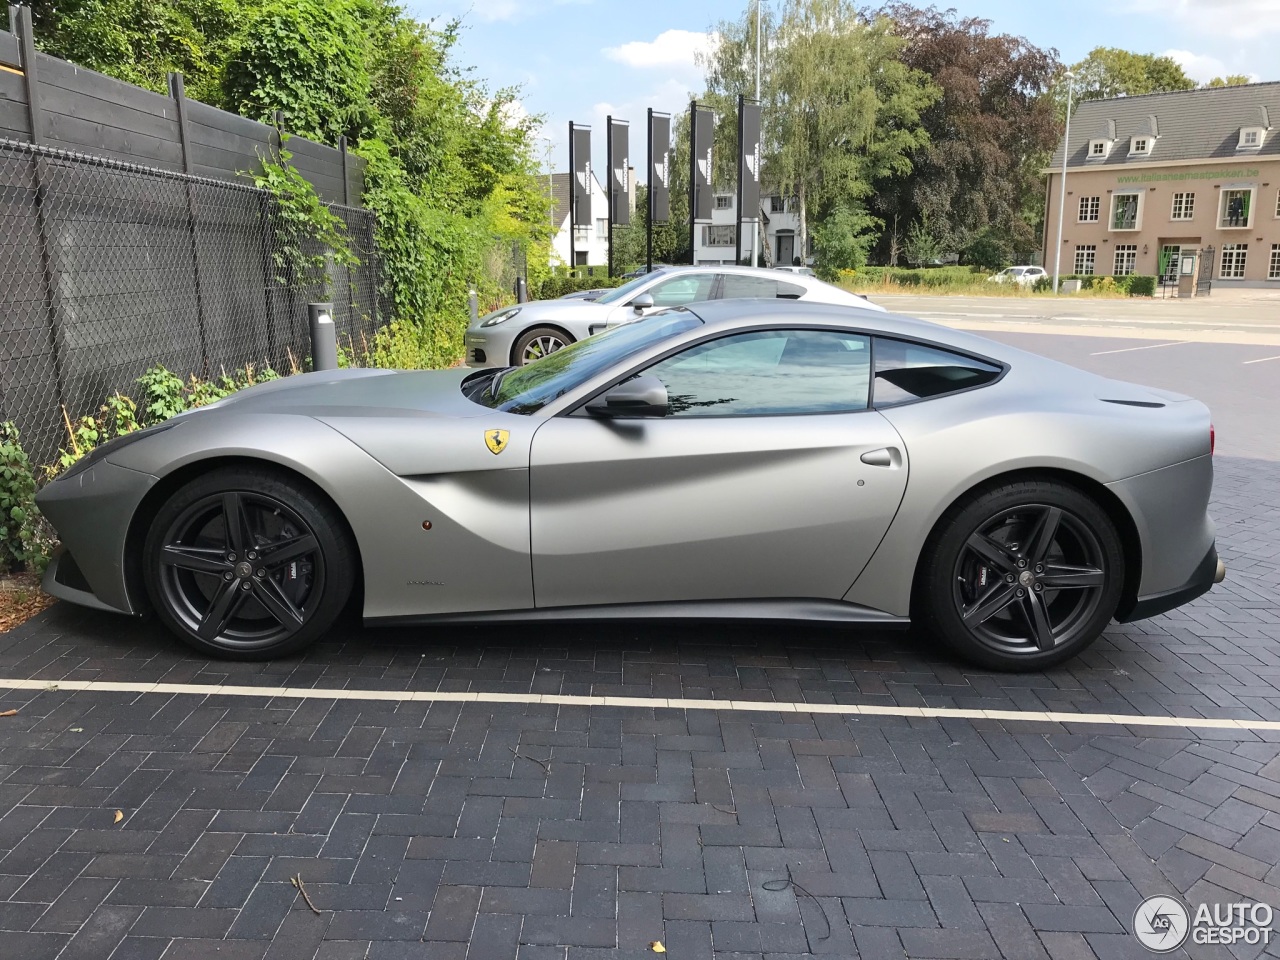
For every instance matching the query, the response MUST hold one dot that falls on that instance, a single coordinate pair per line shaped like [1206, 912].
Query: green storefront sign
[1154, 177]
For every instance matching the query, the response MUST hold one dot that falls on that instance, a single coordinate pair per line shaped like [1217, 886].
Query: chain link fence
[107, 269]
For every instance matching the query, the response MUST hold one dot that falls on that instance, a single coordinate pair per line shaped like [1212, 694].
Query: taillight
[1212, 439]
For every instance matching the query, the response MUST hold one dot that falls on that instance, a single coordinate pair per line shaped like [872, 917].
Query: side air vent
[1133, 403]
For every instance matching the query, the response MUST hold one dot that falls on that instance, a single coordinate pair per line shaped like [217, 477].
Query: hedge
[557, 285]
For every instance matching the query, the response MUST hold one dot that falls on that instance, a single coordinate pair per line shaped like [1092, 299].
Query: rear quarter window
[906, 371]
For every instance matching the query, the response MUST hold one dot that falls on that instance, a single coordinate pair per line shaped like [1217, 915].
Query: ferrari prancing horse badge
[496, 440]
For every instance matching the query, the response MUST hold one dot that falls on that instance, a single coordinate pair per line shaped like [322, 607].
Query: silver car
[738, 459]
[517, 335]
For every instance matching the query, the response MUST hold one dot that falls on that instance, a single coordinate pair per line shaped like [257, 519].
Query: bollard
[324, 336]
[473, 301]
[522, 290]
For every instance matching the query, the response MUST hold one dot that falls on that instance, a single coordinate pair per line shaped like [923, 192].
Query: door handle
[884, 457]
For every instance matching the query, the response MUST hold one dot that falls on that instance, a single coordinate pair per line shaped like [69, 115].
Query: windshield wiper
[496, 383]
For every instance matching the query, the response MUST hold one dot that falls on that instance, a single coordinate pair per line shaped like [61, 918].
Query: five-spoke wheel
[1021, 576]
[247, 563]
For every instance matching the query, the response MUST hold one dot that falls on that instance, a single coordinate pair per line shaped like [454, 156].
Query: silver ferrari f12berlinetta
[734, 459]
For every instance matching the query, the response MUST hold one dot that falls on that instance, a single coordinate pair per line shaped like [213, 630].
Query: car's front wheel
[537, 343]
[248, 564]
[1022, 576]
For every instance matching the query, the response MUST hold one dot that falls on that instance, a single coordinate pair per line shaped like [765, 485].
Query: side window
[910, 371]
[769, 373]
[682, 289]
[790, 291]
[737, 285]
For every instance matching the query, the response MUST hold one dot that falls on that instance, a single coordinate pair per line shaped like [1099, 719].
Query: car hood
[357, 393]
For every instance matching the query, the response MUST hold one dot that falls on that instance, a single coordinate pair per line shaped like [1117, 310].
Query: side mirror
[642, 303]
[640, 397]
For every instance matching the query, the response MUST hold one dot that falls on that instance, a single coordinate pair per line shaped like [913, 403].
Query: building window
[1168, 265]
[1124, 211]
[1233, 259]
[1236, 207]
[1184, 206]
[1098, 149]
[1278, 203]
[1085, 256]
[1250, 138]
[718, 235]
[724, 201]
[777, 205]
[602, 228]
[1126, 259]
[1139, 145]
[1273, 271]
[1089, 207]
[581, 233]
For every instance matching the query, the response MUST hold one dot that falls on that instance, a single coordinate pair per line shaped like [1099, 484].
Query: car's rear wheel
[248, 564]
[537, 343]
[1022, 576]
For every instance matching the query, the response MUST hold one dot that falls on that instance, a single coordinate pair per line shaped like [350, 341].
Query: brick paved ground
[497, 831]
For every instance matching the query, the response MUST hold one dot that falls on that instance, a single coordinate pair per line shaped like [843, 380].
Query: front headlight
[502, 316]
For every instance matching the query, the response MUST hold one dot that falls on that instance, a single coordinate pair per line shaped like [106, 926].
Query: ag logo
[1161, 924]
[496, 440]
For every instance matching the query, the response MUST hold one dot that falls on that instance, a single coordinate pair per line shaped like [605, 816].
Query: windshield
[528, 389]
[625, 291]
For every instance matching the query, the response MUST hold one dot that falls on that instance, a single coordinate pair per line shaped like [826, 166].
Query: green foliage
[18, 513]
[163, 394]
[1142, 286]
[989, 250]
[843, 240]
[309, 237]
[307, 59]
[1111, 72]
[560, 283]
[115, 418]
[1231, 80]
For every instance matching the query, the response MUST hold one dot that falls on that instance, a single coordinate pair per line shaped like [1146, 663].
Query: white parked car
[803, 271]
[1023, 275]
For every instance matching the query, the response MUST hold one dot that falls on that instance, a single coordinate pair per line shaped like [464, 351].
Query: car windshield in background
[528, 389]
[627, 290]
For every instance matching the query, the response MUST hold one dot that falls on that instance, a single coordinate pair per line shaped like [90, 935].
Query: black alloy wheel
[1023, 576]
[248, 564]
[537, 343]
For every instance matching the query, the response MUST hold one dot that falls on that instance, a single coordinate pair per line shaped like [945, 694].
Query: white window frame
[1091, 215]
[1239, 253]
[724, 201]
[1258, 133]
[1141, 146]
[1273, 268]
[1086, 255]
[1137, 215]
[718, 235]
[1222, 208]
[1278, 204]
[1129, 252]
[1099, 149]
[602, 228]
[1184, 206]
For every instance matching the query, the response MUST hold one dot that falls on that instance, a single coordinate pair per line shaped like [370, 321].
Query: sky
[584, 60]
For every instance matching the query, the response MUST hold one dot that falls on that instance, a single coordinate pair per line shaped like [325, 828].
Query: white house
[714, 243]
[591, 244]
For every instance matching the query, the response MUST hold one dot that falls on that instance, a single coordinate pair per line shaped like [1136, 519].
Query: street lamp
[1062, 191]
[755, 234]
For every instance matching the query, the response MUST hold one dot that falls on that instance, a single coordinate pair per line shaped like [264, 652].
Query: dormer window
[1251, 138]
[1140, 146]
[1098, 149]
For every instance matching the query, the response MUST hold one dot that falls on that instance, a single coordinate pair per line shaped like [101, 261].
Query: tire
[1021, 576]
[269, 588]
[536, 343]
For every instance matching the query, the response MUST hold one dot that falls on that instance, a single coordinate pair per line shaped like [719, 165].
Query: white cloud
[671, 48]
[1239, 19]
[1202, 67]
[495, 10]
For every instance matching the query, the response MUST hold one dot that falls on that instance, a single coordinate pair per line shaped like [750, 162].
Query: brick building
[1151, 176]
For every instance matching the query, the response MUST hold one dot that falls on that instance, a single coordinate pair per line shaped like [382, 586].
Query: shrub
[1142, 286]
[18, 512]
[558, 284]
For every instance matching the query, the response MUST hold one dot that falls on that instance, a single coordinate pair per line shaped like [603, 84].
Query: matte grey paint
[679, 509]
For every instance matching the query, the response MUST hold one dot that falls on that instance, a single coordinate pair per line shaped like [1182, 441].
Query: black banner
[580, 146]
[620, 163]
[703, 123]
[660, 166]
[748, 159]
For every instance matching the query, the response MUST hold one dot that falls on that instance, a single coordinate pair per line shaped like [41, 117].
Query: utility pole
[755, 233]
[1062, 187]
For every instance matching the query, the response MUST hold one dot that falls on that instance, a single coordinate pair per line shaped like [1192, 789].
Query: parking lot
[731, 792]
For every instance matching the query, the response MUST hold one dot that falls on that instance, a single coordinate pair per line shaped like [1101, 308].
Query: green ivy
[304, 222]
[18, 513]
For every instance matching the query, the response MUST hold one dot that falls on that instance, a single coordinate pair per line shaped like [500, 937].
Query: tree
[844, 238]
[1231, 80]
[989, 133]
[841, 110]
[1112, 72]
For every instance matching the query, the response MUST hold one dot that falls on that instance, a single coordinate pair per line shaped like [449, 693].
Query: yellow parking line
[652, 703]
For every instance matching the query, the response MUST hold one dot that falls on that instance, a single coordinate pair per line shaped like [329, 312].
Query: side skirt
[825, 611]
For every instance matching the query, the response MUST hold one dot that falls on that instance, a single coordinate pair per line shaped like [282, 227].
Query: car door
[770, 478]
[675, 291]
